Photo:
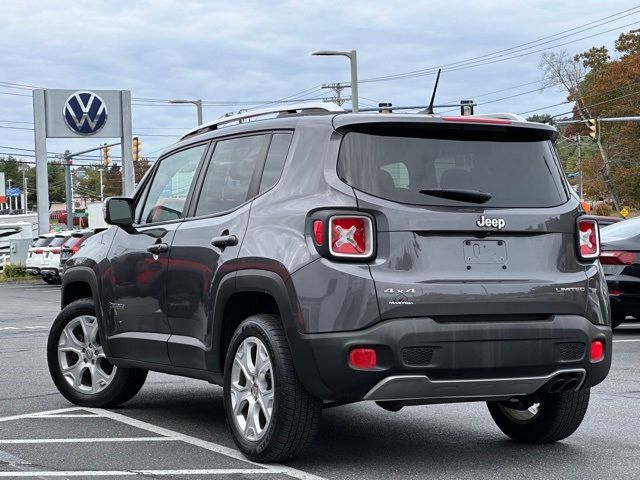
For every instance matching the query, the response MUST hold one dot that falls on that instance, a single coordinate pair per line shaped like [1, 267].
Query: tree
[540, 118]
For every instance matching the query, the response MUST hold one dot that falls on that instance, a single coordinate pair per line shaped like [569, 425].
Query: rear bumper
[33, 271]
[49, 272]
[418, 358]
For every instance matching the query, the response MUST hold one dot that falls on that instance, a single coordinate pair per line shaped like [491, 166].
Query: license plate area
[485, 252]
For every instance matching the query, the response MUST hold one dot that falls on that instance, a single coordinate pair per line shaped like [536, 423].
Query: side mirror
[119, 211]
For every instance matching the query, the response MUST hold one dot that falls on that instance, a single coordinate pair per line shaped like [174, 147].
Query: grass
[20, 279]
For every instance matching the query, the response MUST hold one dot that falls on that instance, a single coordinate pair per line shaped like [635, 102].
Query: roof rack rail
[502, 116]
[280, 110]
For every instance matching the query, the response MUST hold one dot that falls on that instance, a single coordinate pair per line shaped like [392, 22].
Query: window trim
[251, 192]
[144, 191]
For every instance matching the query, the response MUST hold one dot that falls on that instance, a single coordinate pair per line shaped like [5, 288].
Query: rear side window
[229, 174]
[514, 173]
[274, 163]
[70, 241]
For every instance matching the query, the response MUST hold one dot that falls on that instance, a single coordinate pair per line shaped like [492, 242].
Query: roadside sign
[13, 192]
[624, 212]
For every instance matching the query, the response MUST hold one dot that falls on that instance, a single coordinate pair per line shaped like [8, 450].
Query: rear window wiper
[462, 195]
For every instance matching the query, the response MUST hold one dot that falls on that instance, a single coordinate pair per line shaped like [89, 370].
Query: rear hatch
[474, 220]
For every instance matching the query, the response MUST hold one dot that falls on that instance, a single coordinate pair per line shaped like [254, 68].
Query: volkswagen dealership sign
[92, 114]
[85, 113]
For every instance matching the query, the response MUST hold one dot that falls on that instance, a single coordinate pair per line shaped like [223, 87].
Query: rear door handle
[224, 241]
[158, 248]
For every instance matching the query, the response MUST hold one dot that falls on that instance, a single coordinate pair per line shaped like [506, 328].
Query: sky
[243, 53]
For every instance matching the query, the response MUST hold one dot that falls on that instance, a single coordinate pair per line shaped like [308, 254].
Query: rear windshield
[515, 173]
[43, 242]
[71, 240]
[57, 241]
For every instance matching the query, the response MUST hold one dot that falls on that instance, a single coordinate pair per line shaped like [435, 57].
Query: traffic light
[137, 146]
[106, 156]
[593, 128]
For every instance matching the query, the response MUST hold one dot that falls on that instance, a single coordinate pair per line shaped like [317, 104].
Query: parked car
[324, 257]
[36, 253]
[620, 259]
[50, 269]
[605, 221]
[72, 245]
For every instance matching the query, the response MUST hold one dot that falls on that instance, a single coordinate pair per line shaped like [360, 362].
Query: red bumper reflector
[363, 358]
[317, 231]
[615, 293]
[596, 352]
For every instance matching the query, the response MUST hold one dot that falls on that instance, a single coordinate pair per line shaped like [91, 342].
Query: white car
[36, 253]
[50, 269]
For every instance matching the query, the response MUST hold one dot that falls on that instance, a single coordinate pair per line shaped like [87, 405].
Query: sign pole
[42, 175]
[127, 145]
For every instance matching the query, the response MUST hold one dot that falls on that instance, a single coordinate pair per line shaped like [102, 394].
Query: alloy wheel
[252, 389]
[83, 363]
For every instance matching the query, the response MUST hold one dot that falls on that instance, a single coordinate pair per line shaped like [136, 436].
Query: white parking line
[87, 440]
[213, 447]
[29, 327]
[165, 435]
[39, 414]
[129, 473]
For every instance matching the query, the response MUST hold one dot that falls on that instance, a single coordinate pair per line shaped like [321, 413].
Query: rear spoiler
[454, 128]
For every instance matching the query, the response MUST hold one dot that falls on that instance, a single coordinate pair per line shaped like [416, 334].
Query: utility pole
[337, 90]
[9, 182]
[580, 166]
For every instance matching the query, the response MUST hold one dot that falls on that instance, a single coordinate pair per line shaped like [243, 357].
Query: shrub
[13, 271]
[601, 209]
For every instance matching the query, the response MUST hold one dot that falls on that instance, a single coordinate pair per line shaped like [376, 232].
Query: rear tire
[270, 414]
[77, 363]
[556, 418]
[49, 280]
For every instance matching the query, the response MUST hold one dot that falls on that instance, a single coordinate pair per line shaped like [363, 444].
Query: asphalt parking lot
[175, 428]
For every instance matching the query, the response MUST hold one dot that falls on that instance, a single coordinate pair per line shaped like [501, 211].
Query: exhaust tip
[570, 385]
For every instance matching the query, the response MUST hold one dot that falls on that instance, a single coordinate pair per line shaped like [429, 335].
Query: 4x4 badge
[484, 222]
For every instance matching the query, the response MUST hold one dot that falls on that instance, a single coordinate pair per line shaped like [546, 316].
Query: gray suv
[307, 257]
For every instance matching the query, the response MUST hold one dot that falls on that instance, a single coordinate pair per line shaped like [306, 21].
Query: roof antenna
[429, 109]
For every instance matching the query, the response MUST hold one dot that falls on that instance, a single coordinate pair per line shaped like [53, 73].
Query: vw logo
[85, 113]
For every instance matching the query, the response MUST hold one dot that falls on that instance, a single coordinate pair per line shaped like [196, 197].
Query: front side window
[229, 174]
[167, 194]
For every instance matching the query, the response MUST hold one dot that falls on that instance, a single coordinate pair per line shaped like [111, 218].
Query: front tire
[78, 365]
[556, 417]
[270, 414]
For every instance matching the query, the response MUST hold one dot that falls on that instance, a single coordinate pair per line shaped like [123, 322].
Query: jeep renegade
[303, 257]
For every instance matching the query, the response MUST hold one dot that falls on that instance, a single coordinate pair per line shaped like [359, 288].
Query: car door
[204, 243]
[134, 293]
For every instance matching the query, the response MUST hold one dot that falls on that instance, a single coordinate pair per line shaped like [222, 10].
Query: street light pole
[197, 103]
[101, 185]
[353, 59]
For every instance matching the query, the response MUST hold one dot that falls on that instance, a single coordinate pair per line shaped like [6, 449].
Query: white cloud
[257, 50]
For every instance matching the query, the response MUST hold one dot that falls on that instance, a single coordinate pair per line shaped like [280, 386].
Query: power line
[482, 59]
[586, 106]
